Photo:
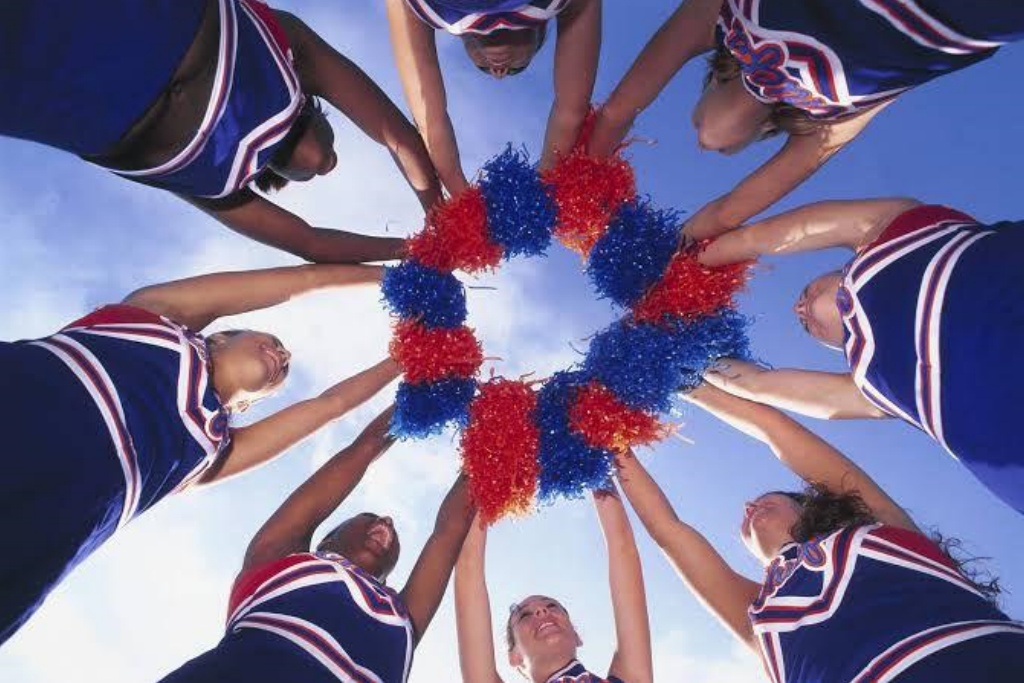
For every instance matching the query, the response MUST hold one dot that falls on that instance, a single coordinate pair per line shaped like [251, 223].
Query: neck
[541, 670]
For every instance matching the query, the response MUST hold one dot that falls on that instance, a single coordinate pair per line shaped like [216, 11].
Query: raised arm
[250, 214]
[290, 529]
[823, 395]
[577, 53]
[429, 578]
[632, 658]
[799, 158]
[262, 441]
[473, 611]
[722, 591]
[325, 72]
[690, 31]
[415, 49]
[804, 453]
[197, 301]
[843, 223]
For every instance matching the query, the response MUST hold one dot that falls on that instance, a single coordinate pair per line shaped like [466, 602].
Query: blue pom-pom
[568, 466]
[520, 214]
[640, 363]
[425, 409]
[722, 335]
[634, 252]
[414, 291]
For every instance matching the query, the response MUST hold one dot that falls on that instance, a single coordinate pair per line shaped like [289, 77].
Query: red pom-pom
[689, 289]
[499, 449]
[605, 422]
[431, 354]
[456, 237]
[587, 191]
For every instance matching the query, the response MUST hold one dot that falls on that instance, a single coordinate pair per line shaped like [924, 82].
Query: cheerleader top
[485, 16]
[150, 384]
[832, 58]
[77, 76]
[863, 604]
[322, 608]
[574, 672]
[894, 343]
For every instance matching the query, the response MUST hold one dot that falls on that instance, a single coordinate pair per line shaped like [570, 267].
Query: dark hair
[824, 511]
[268, 180]
[724, 67]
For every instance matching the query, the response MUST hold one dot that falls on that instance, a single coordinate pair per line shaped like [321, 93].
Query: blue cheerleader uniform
[574, 672]
[832, 58]
[486, 16]
[101, 421]
[874, 603]
[934, 318]
[77, 76]
[310, 617]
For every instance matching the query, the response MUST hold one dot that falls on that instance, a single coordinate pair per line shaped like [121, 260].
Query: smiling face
[818, 312]
[767, 524]
[247, 365]
[540, 633]
[504, 53]
[369, 541]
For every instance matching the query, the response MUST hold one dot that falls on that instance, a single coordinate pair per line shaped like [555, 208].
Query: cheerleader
[929, 314]
[204, 98]
[501, 37]
[541, 640]
[817, 70]
[852, 590]
[327, 614]
[129, 404]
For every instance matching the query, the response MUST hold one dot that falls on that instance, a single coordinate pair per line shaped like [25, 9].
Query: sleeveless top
[863, 604]
[75, 78]
[832, 58]
[485, 16]
[328, 610]
[918, 306]
[574, 672]
[152, 395]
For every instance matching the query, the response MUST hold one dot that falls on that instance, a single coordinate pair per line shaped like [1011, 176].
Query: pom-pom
[456, 237]
[587, 192]
[429, 354]
[520, 214]
[640, 364]
[499, 449]
[634, 253]
[605, 422]
[704, 341]
[690, 289]
[568, 466]
[414, 291]
[425, 409]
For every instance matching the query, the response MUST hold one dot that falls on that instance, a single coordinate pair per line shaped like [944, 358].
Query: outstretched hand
[610, 129]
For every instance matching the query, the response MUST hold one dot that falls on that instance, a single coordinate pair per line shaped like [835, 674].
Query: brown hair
[823, 511]
[724, 67]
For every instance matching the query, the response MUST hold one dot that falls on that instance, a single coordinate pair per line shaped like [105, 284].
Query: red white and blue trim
[912, 20]
[193, 170]
[255, 610]
[527, 15]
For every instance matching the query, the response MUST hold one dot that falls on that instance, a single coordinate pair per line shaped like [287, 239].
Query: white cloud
[678, 658]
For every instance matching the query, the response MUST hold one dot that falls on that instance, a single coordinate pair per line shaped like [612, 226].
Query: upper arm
[254, 216]
[632, 659]
[723, 591]
[415, 49]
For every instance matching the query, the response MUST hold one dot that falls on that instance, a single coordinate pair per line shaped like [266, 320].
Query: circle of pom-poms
[524, 443]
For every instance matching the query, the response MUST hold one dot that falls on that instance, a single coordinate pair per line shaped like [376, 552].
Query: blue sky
[76, 237]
